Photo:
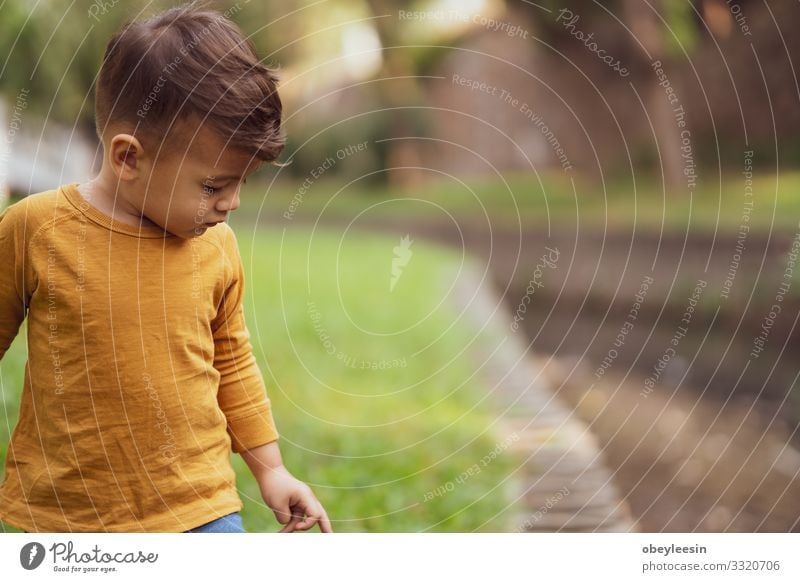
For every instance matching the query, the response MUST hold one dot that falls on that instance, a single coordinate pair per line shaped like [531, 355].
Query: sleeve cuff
[252, 431]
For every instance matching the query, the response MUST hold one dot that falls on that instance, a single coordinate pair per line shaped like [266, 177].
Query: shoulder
[224, 238]
[221, 241]
[28, 215]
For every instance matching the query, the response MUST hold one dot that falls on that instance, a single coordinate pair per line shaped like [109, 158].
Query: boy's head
[185, 112]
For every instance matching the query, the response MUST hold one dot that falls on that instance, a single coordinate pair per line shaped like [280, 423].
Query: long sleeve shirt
[140, 377]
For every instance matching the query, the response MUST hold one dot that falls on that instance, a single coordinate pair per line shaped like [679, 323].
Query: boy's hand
[293, 502]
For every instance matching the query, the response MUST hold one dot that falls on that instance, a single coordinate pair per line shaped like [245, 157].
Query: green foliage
[54, 49]
[12, 367]
[681, 34]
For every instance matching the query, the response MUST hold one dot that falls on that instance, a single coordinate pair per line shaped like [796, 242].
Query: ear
[126, 156]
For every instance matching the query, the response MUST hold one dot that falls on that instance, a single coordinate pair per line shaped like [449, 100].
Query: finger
[320, 517]
[292, 525]
[305, 522]
[304, 505]
[309, 508]
[325, 523]
[283, 514]
[313, 517]
[296, 518]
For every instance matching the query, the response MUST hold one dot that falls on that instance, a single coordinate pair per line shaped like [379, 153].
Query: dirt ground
[684, 463]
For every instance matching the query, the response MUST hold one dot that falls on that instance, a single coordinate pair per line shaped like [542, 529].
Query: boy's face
[189, 189]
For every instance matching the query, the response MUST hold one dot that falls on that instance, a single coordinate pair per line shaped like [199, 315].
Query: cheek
[174, 191]
[201, 206]
[188, 200]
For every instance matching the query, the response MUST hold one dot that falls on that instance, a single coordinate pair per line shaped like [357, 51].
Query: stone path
[562, 483]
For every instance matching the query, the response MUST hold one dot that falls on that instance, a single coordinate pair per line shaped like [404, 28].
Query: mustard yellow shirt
[140, 377]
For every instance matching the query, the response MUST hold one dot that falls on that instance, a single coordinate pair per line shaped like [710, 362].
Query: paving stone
[557, 449]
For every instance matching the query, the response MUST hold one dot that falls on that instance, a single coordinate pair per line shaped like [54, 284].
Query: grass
[370, 442]
[716, 204]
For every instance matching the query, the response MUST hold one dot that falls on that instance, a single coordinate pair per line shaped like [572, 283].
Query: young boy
[140, 376]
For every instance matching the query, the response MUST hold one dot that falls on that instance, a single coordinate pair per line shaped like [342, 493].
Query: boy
[140, 376]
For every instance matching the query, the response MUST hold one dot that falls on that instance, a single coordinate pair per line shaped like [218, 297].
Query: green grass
[370, 442]
[514, 199]
[11, 374]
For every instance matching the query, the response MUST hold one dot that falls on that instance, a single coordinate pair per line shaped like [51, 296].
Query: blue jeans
[231, 523]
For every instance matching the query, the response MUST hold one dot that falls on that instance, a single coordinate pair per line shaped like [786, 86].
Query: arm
[241, 394]
[243, 400]
[14, 293]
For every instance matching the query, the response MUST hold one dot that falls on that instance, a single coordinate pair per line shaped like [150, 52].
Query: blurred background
[521, 271]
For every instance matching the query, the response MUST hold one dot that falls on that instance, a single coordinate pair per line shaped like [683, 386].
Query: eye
[210, 189]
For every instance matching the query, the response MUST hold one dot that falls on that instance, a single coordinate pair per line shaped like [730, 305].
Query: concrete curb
[561, 483]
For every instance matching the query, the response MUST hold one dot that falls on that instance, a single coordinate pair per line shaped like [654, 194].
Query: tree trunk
[403, 158]
[650, 31]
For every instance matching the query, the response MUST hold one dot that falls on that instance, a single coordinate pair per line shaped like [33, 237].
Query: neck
[110, 196]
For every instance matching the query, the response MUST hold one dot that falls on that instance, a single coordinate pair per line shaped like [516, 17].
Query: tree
[665, 29]
[404, 88]
[660, 30]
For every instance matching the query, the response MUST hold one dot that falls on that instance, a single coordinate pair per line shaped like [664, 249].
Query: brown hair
[189, 61]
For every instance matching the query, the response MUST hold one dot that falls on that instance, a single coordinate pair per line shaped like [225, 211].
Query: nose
[229, 204]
